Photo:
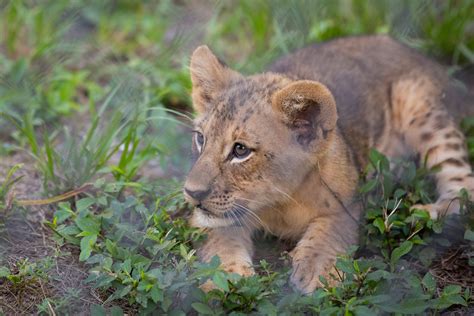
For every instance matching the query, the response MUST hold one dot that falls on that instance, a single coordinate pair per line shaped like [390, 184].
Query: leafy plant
[136, 252]
[393, 226]
[25, 273]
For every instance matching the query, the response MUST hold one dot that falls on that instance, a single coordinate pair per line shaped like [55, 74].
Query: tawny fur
[310, 122]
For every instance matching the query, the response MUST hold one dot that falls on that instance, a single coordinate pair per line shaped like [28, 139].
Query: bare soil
[24, 236]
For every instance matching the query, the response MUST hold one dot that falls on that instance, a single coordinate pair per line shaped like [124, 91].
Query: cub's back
[360, 71]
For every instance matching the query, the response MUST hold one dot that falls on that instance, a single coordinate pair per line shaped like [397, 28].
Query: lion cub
[282, 151]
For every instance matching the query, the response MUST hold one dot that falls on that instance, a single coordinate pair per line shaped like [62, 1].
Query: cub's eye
[199, 140]
[240, 152]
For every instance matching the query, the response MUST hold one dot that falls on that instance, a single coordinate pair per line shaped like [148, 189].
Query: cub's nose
[197, 195]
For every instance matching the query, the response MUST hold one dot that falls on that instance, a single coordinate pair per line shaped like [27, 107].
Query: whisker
[238, 217]
[284, 193]
[264, 203]
[253, 215]
[244, 218]
[248, 220]
[235, 218]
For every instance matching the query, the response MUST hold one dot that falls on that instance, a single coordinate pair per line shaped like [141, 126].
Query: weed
[6, 194]
[136, 252]
[21, 280]
[25, 274]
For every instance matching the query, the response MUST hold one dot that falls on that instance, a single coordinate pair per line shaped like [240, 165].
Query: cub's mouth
[204, 218]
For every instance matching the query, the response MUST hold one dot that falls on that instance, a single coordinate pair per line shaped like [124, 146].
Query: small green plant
[236, 294]
[138, 253]
[25, 273]
[393, 226]
[78, 159]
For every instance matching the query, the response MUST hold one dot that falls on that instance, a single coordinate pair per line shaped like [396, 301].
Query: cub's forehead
[239, 102]
[238, 123]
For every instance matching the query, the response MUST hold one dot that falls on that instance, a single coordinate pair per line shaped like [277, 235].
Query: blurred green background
[59, 60]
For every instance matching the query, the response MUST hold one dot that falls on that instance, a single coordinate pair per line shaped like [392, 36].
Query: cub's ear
[208, 76]
[308, 108]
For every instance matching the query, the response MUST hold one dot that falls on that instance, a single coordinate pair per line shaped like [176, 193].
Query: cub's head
[255, 140]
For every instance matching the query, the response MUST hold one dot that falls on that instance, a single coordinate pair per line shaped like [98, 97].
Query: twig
[55, 199]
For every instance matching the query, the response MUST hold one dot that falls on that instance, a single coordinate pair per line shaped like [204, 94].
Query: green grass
[98, 95]
[9, 180]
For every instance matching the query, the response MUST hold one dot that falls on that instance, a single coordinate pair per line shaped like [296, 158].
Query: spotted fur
[309, 123]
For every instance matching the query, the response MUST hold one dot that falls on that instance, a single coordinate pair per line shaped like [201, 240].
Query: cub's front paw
[308, 268]
[244, 269]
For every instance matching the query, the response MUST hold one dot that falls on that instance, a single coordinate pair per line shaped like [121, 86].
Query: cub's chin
[203, 220]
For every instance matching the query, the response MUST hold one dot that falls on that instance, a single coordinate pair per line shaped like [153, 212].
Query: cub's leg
[429, 130]
[234, 247]
[315, 254]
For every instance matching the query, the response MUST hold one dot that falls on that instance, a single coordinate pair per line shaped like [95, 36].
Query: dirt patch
[453, 269]
[54, 277]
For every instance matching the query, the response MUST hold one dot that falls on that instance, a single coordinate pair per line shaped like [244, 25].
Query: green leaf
[410, 306]
[176, 312]
[127, 266]
[88, 224]
[84, 203]
[220, 281]
[116, 311]
[429, 282]
[469, 235]
[156, 294]
[102, 200]
[124, 291]
[368, 186]
[86, 246]
[379, 299]
[378, 160]
[437, 227]
[4, 272]
[97, 310]
[345, 266]
[378, 275]
[400, 251]
[426, 256]
[452, 290]
[364, 311]
[111, 247]
[399, 193]
[63, 214]
[456, 300]
[202, 308]
[421, 214]
[379, 223]
[182, 251]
